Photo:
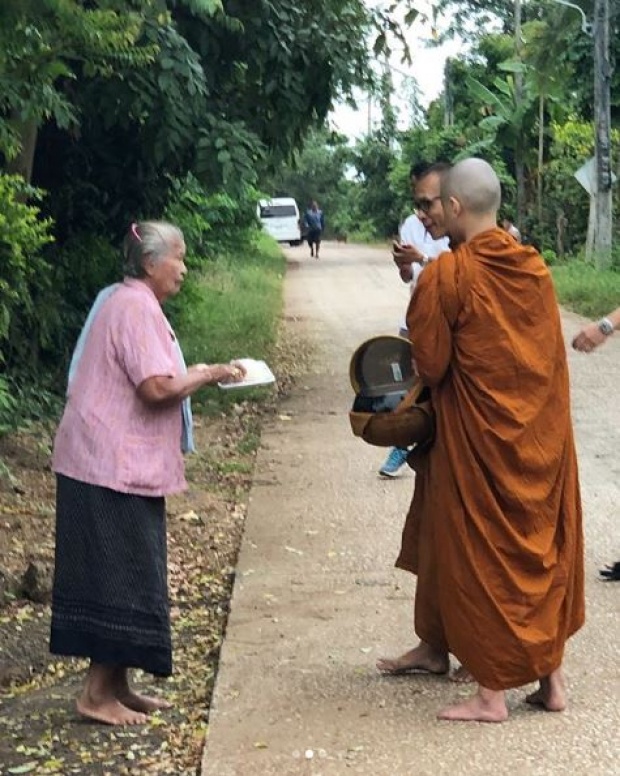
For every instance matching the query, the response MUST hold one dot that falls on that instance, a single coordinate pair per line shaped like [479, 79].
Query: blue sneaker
[397, 458]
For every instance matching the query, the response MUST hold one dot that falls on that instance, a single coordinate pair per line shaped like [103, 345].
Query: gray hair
[152, 239]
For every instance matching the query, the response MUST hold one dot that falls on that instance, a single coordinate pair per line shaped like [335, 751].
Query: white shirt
[412, 232]
[512, 230]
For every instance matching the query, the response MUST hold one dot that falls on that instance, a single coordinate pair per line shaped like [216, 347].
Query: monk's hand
[406, 255]
[589, 338]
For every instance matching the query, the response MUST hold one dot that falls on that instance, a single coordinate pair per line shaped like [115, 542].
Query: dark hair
[440, 168]
[528, 240]
[418, 169]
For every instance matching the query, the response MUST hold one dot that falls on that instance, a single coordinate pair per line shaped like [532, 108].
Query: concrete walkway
[317, 600]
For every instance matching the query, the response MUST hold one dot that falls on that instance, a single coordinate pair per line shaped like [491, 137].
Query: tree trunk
[560, 233]
[541, 151]
[601, 243]
[23, 162]
[519, 150]
[591, 229]
[448, 118]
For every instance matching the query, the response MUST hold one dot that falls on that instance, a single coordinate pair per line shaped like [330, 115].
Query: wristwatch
[606, 327]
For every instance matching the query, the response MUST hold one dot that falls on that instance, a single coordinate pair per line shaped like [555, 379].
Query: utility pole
[519, 149]
[601, 203]
[448, 98]
[600, 220]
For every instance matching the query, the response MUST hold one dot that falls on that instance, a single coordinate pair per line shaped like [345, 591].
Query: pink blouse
[108, 436]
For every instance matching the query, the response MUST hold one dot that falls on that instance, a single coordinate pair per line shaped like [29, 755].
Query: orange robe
[499, 515]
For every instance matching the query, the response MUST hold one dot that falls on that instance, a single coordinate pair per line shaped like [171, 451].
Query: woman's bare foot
[123, 693]
[110, 711]
[485, 706]
[461, 675]
[421, 658]
[144, 703]
[99, 699]
[551, 693]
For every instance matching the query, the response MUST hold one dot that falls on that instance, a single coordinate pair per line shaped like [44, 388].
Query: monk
[505, 538]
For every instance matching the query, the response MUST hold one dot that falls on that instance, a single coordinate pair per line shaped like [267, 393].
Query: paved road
[317, 599]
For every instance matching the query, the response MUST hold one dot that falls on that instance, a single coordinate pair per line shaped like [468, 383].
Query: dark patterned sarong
[110, 596]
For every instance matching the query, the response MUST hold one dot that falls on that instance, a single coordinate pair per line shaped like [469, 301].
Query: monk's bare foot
[109, 711]
[551, 694]
[144, 703]
[485, 706]
[461, 675]
[421, 658]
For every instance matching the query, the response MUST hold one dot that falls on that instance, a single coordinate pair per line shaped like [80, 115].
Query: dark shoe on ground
[611, 573]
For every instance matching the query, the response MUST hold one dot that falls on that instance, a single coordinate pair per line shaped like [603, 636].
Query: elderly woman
[117, 454]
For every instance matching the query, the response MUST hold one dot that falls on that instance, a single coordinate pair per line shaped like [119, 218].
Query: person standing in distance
[314, 221]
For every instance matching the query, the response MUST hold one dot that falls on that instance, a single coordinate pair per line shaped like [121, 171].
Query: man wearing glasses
[418, 246]
[429, 210]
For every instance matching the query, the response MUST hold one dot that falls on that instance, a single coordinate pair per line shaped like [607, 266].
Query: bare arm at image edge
[594, 334]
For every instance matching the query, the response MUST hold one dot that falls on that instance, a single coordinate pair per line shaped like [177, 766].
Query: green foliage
[586, 290]
[203, 7]
[228, 154]
[231, 90]
[83, 265]
[138, 132]
[129, 109]
[26, 402]
[22, 269]
[550, 256]
[44, 43]
[8, 405]
[318, 171]
[472, 18]
[232, 309]
[565, 201]
[215, 225]
[377, 203]
[275, 72]
[508, 120]
[211, 222]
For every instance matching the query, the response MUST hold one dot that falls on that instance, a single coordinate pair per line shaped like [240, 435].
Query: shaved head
[474, 183]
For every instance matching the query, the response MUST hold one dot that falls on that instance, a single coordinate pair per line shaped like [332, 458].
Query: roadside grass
[232, 310]
[585, 290]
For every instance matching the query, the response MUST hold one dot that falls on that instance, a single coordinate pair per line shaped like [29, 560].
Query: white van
[280, 218]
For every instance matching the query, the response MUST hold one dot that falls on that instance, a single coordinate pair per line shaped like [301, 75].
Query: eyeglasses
[425, 205]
